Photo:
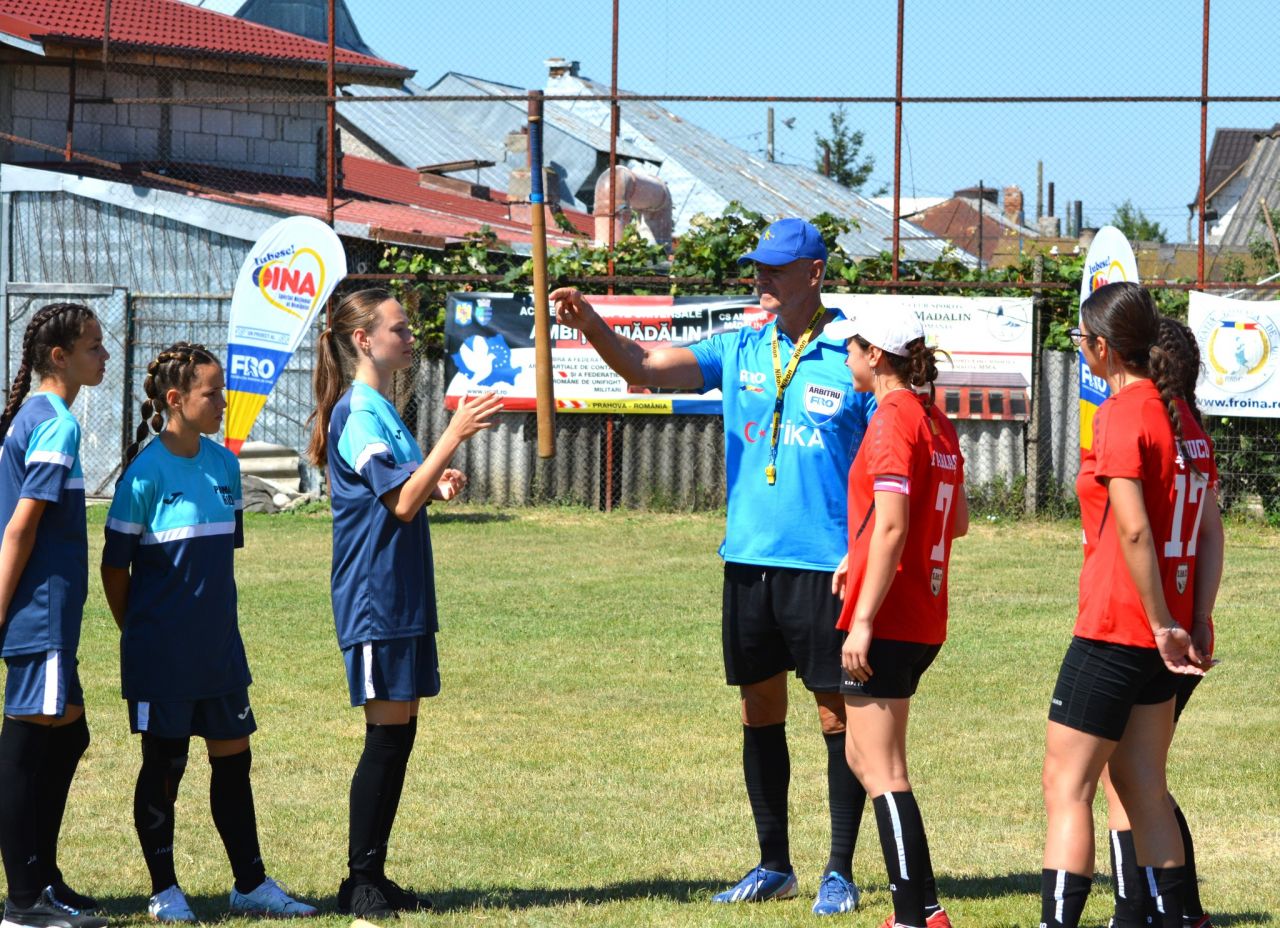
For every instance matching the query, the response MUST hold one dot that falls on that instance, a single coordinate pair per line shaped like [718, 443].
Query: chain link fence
[143, 155]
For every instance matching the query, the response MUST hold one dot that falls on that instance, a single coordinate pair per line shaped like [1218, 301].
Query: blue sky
[1100, 154]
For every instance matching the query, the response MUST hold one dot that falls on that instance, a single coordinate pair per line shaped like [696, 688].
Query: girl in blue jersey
[168, 569]
[44, 577]
[383, 589]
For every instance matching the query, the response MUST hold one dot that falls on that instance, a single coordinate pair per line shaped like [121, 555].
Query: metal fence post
[126, 400]
[1032, 444]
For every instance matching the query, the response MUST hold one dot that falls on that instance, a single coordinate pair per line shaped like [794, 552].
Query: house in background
[973, 221]
[1236, 158]
[147, 210]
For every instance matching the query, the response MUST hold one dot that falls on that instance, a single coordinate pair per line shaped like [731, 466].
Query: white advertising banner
[983, 335]
[1239, 341]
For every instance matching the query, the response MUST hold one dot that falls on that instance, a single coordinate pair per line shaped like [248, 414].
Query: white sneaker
[269, 899]
[170, 906]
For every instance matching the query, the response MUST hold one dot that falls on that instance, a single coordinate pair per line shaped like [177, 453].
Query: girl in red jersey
[906, 504]
[1152, 565]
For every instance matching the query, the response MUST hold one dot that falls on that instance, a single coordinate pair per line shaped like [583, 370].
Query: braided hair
[1126, 316]
[56, 325]
[173, 369]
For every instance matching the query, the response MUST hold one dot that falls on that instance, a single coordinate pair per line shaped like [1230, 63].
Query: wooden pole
[541, 309]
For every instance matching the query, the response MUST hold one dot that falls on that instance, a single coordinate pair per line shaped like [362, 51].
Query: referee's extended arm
[675, 368]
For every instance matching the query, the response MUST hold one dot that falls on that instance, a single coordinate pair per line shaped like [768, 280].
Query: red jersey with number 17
[913, 450]
[1133, 438]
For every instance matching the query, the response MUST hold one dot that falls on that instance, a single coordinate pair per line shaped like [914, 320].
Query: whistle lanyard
[782, 379]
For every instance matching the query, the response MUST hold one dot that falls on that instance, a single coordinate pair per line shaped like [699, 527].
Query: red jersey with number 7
[1133, 438]
[911, 449]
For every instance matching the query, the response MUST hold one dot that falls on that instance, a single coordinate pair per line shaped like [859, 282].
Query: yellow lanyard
[781, 379]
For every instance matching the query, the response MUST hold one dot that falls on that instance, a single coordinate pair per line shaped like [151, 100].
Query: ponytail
[173, 369]
[918, 368]
[335, 362]
[56, 325]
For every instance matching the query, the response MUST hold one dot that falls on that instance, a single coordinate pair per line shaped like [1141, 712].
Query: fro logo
[821, 402]
[251, 368]
[1239, 350]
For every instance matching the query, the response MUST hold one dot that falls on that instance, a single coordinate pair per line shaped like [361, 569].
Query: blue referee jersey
[382, 578]
[175, 522]
[40, 459]
[802, 520]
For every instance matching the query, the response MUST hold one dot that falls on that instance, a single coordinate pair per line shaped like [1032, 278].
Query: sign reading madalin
[1109, 260]
[285, 280]
[1239, 353]
[489, 340]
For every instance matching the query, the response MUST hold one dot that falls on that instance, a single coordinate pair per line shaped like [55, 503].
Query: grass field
[582, 764]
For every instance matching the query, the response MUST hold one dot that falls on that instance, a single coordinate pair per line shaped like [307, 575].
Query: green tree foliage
[1135, 225]
[845, 144]
[1260, 246]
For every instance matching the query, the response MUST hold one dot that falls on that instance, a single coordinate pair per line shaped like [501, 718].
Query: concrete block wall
[268, 137]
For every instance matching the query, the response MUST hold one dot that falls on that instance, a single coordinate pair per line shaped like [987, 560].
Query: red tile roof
[400, 185]
[430, 214]
[170, 25]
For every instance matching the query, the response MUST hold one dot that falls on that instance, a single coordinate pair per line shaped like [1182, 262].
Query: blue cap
[788, 240]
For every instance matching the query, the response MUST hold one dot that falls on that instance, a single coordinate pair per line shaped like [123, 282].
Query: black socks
[23, 749]
[766, 766]
[231, 803]
[906, 857]
[164, 761]
[1062, 898]
[67, 744]
[1127, 882]
[847, 799]
[375, 796]
[1191, 905]
[1163, 896]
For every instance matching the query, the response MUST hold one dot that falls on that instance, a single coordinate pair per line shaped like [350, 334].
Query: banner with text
[285, 279]
[984, 335]
[489, 344]
[489, 341]
[1239, 340]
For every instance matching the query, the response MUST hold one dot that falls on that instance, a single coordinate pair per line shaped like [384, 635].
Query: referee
[792, 425]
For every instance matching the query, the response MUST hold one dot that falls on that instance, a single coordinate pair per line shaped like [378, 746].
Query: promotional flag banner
[1239, 341]
[285, 280]
[1109, 260]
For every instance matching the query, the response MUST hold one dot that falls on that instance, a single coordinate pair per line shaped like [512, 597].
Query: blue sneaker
[836, 895]
[760, 885]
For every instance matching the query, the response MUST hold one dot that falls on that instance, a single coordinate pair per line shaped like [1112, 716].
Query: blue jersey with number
[40, 460]
[175, 523]
[383, 580]
[801, 521]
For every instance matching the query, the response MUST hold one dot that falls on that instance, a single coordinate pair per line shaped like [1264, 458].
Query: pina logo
[291, 280]
[242, 365]
[1112, 274]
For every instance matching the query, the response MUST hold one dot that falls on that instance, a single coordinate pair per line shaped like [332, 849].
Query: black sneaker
[48, 912]
[68, 896]
[367, 901]
[401, 899]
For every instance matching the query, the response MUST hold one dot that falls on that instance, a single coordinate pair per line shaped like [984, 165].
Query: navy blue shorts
[1100, 683]
[42, 684]
[396, 670]
[896, 669]
[222, 718]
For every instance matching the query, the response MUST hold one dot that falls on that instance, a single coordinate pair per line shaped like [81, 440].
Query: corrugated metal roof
[705, 172]
[1264, 184]
[170, 25]
[227, 7]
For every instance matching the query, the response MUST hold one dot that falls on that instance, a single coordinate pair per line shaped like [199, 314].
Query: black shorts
[1100, 683]
[777, 619]
[1186, 683]
[896, 669]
